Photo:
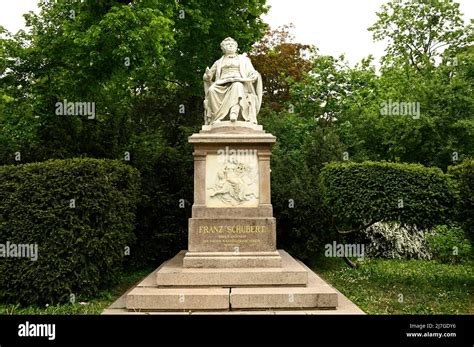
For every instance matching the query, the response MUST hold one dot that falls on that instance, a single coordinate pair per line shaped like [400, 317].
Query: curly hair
[226, 40]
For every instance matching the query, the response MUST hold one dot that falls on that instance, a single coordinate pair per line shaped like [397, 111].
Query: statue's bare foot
[233, 117]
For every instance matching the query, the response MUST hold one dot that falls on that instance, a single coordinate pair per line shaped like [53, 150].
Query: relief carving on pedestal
[232, 181]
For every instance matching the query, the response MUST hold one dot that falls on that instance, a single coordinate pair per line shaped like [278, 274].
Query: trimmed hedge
[80, 243]
[359, 193]
[464, 176]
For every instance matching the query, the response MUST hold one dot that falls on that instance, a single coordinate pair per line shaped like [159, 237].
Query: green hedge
[464, 176]
[358, 193]
[81, 243]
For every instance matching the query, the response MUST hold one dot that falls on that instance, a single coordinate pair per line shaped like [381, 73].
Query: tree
[138, 61]
[102, 53]
[141, 64]
[350, 100]
[420, 31]
[281, 62]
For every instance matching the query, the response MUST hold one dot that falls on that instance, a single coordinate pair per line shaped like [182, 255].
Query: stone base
[233, 127]
[174, 274]
[316, 294]
[178, 299]
[231, 260]
[174, 288]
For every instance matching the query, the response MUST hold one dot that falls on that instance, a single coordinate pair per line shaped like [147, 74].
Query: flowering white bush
[395, 241]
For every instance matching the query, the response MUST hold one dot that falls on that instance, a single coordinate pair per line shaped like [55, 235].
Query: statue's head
[229, 45]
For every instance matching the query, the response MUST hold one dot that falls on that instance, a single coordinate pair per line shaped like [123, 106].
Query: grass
[94, 306]
[387, 286]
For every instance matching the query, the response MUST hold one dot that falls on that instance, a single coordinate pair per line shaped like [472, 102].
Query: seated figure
[233, 88]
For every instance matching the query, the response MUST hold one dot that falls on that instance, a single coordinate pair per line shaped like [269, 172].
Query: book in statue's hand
[232, 80]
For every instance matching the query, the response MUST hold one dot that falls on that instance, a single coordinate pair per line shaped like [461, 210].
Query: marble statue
[232, 87]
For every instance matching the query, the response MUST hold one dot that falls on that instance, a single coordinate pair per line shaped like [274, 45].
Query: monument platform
[173, 273]
[291, 289]
[232, 263]
[173, 287]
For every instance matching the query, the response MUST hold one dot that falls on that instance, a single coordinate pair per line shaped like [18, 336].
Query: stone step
[192, 291]
[162, 299]
[173, 274]
[283, 298]
[201, 260]
[317, 294]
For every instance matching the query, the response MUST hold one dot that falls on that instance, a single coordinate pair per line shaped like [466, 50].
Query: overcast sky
[334, 26]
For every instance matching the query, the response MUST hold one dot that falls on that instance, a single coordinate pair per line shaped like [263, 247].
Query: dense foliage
[370, 192]
[302, 149]
[79, 212]
[140, 63]
[449, 244]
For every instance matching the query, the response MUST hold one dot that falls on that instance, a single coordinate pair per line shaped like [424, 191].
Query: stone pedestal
[232, 262]
[232, 222]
